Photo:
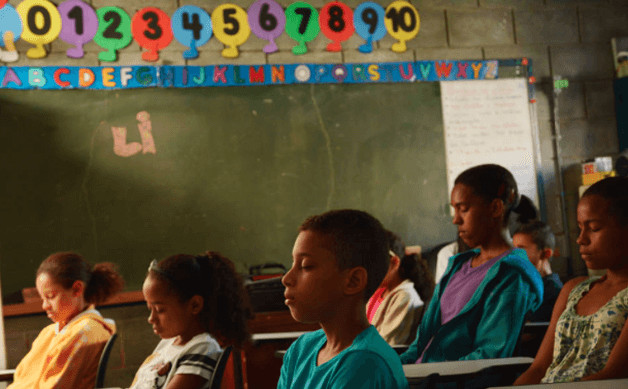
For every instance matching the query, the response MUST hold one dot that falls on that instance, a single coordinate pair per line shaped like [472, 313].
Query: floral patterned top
[582, 344]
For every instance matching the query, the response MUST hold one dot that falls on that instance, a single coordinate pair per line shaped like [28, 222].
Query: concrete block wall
[568, 38]
[135, 341]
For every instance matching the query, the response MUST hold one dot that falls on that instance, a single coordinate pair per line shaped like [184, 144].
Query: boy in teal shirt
[339, 259]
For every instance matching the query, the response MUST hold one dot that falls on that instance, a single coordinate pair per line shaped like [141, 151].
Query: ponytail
[101, 281]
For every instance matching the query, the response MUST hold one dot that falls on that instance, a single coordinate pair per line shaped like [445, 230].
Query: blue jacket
[488, 326]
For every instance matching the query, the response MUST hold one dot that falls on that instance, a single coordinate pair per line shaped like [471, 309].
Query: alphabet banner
[125, 77]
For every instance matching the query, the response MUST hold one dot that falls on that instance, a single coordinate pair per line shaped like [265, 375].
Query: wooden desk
[271, 331]
[459, 371]
[6, 375]
[602, 384]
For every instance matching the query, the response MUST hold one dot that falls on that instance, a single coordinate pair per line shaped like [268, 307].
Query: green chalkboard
[235, 169]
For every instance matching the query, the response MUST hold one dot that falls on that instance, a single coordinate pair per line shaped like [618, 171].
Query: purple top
[461, 287]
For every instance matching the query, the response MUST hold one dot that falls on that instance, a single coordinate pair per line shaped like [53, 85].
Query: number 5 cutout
[231, 27]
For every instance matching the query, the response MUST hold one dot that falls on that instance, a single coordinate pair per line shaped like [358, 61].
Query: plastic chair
[219, 370]
[104, 359]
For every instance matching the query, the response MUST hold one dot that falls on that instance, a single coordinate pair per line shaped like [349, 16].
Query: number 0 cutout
[42, 25]
[402, 22]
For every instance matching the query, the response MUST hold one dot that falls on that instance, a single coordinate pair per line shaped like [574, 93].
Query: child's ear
[78, 288]
[196, 304]
[497, 208]
[356, 280]
[547, 253]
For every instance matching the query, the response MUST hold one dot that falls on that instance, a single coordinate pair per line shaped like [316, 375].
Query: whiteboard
[488, 121]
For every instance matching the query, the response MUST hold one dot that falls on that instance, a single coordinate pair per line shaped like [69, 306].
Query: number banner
[125, 77]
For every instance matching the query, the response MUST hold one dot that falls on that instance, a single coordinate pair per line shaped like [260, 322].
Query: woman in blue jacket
[479, 306]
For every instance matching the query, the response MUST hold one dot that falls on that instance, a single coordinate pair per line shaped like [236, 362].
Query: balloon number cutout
[301, 25]
[192, 27]
[336, 22]
[267, 20]
[231, 27]
[79, 24]
[10, 31]
[368, 19]
[42, 25]
[402, 23]
[151, 29]
[114, 32]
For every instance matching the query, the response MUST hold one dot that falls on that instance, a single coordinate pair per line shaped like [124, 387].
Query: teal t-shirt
[369, 363]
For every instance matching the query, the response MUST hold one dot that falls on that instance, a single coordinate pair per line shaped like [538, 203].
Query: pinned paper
[79, 24]
[301, 25]
[114, 32]
[151, 29]
[192, 27]
[336, 22]
[402, 22]
[267, 20]
[42, 25]
[10, 31]
[368, 19]
[231, 27]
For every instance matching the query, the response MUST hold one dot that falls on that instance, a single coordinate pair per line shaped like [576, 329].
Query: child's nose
[286, 280]
[45, 305]
[457, 220]
[151, 318]
[582, 239]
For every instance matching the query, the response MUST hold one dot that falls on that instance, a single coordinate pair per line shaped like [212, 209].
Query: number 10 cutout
[402, 23]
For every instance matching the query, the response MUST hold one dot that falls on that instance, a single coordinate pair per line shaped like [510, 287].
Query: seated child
[196, 304]
[537, 239]
[66, 354]
[587, 338]
[396, 307]
[339, 259]
[479, 306]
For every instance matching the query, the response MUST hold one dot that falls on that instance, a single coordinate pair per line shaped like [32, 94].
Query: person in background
[587, 338]
[479, 306]
[396, 307]
[197, 304]
[339, 259]
[65, 354]
[538, 240]
[446, 252]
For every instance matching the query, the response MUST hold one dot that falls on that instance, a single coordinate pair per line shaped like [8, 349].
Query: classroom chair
[104, 359]
[219, 370]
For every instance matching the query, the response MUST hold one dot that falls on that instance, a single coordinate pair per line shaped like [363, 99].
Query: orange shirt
[67, 358]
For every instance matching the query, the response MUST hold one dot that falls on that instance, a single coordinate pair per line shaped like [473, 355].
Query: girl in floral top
[588, 337]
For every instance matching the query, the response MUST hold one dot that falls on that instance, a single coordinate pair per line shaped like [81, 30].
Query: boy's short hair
[358, 239]
[540, 233]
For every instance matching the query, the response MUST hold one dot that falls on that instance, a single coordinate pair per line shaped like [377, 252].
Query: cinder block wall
[567, 38]
[135, 341]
